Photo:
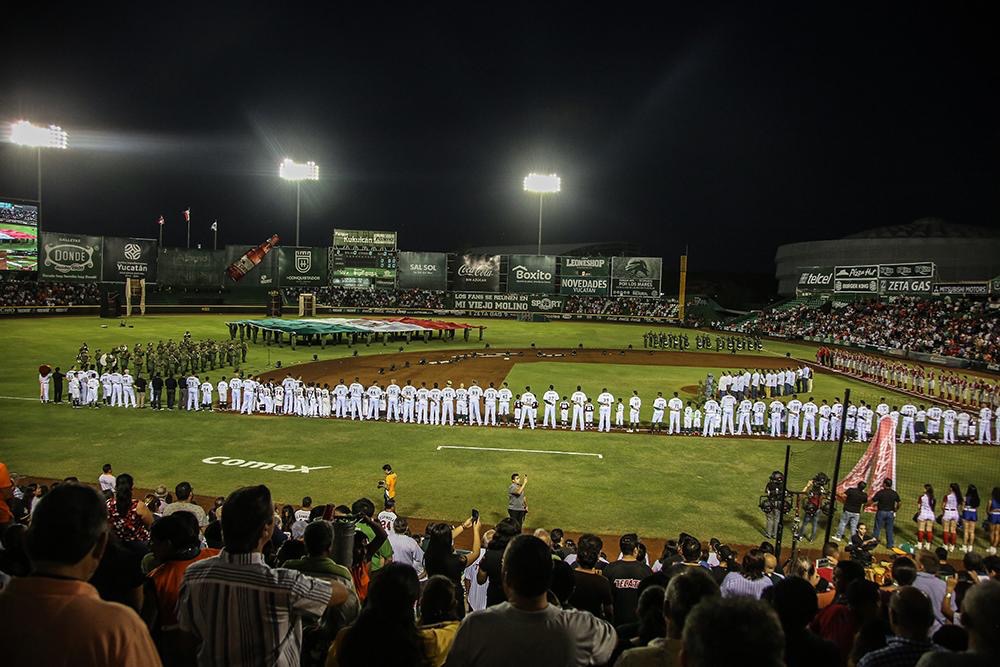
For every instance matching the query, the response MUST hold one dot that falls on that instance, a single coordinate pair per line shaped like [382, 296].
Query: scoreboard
[362, 268]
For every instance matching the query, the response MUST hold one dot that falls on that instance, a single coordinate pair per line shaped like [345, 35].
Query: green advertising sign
[70, 258]
[302, 267]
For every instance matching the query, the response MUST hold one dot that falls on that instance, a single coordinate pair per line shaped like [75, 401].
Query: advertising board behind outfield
[531, 274]
[636, 276]
[585, 276]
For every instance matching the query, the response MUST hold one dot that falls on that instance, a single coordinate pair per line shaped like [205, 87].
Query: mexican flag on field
[878, 461]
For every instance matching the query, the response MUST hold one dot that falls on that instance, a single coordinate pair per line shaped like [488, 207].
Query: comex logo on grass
[260, 465]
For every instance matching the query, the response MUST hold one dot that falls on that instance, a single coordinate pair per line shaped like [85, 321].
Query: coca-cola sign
[477, 273]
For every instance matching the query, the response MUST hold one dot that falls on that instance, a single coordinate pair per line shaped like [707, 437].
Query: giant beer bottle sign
[477, 273]
[250, 259]
[70, 258]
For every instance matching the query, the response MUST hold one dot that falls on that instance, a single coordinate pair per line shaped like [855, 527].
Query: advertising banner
[962, 289]
[589, 276]
[264, 274]
[856, 286]
[859, 272]
[422, 270]
[477, 273]
[128, 258]
[905, 285]
[70, 258]
[184, 267]
[531, 274]
[505, 303]
[302, 267]
[362, 268]
[816, 279]
[636, 276]
[908, 270]
[343, 238]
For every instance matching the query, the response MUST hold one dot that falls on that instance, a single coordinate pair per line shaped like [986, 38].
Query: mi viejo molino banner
[69, 258]
[129, 258]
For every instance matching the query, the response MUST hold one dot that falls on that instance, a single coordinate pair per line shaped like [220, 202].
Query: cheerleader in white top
[925, 518]
[949, 519]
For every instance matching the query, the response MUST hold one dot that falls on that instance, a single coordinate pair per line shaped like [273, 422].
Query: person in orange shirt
[72, 625]
[389, 483]
[6, 493]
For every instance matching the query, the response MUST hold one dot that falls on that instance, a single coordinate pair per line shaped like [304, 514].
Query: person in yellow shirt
[388, 485]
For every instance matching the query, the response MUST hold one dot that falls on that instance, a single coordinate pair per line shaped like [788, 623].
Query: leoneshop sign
[259, 465]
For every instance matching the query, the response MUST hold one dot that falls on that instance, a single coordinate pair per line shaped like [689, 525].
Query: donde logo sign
[67, 257]
[303, 260]
[259, 465]
[524, 273]
[132, 251]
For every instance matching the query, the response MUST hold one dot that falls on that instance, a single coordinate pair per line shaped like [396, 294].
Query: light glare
[24, 133]
[542, 183]
[298, 171]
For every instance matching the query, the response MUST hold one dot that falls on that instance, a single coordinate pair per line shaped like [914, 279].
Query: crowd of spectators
[632, 306]
[964, 327]
[113, 577]
[33, 293]
[343, 297]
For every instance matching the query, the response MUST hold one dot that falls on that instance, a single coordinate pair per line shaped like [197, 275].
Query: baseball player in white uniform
[434, 398]
[527, 411]
[711, 409]
[374, 393]
[578, 399]
[475, 396]
[490, 396]
[985, 418]
[824, 420]
[759, 410]
[727, 404]
[206, 394]
[743, 416]
[355, 390]
[128, 389]
[192, 386]
[392, 401]
[504, 396]
[423, 395]
[604, 401]
[448, 404]
[777, 408]
[659, 405]
[675, 404]
[550, 398]
[793, 407]
[809, 410]
[908, 413]
[409, 394]
[836, 419]
[634, 405]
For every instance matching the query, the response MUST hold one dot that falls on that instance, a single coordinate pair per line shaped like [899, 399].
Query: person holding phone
[517, 505]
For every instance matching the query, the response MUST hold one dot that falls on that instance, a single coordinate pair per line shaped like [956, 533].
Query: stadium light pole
[541, 184]
[25, 133]
[298, 172]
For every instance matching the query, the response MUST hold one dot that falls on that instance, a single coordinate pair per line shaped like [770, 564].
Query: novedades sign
[259, 465]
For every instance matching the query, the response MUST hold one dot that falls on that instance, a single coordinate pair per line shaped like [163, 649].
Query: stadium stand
[31, 293]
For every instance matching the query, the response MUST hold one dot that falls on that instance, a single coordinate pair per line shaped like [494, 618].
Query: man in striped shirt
[241, 611]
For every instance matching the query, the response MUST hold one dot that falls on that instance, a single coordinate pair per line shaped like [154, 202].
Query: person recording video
[861, 545]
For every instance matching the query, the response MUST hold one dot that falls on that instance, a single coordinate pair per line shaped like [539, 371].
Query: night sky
[731, 130]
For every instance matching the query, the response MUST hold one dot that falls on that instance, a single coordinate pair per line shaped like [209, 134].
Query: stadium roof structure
[594, 248]
[927, 228]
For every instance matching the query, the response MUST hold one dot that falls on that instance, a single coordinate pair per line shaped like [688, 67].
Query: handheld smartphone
[475, 515]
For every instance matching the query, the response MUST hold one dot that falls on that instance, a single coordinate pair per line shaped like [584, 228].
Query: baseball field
[608, 483]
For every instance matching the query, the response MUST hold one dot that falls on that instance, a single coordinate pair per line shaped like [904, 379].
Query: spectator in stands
[624, 576]
[130, 519]
[439, 618]
[728, 631]
[185, 503]
[683, 593]
[490, 567]
[794, 600]
[592, 590]
[66, 540]
[441, 558]
[750, 580]
[386, 625]
[527, 627]
[931, 586]
[233, 625]
[837, 623]
[404, 548]
[980, 617]
[910, 617]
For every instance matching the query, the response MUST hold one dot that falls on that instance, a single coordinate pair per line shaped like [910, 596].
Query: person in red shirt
[6, 493]
[837, 623]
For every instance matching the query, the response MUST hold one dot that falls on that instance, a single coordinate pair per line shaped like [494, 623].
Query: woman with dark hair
[439, 618]
[994, 521]
[593, 591]
[287, 519]
[386, 625]
[440, 557]
[949, 520]
[970, 517]
[129, 518]
[750, 581]
[669, 556]
[491, 564]
[925, 518]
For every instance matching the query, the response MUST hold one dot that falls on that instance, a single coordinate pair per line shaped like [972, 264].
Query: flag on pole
[161, 220]
[215, 226]
[187, 215]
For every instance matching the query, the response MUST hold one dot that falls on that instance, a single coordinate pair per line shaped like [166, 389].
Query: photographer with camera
[770, 503]
[861, 545]
[815, 491]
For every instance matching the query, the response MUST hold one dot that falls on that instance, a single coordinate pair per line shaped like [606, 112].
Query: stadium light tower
[25, 133]
[541, 184]
[298, 172]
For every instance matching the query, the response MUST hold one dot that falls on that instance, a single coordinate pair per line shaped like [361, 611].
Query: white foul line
[527, 451]
[19, 398]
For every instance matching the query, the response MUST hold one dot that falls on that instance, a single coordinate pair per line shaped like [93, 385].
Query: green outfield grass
[657, 486]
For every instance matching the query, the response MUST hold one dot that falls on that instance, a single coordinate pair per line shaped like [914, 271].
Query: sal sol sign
[259, 465]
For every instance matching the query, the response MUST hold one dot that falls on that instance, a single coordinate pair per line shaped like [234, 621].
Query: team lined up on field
[734, 413]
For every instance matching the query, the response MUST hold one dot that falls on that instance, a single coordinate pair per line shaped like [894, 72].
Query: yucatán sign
[69, 258]
[302, 266]
[636, 276]
[129, 258]
[422, 270]
[589, 276]
[531, 274]
[477, 273]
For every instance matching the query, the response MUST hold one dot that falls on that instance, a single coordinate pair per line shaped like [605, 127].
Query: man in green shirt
[382, 557]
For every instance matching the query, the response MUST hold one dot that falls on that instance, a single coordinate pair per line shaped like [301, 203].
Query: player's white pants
[908, 428]
[775, 427]
[372, 409]
[657, 419]
[192, 400]
[744, 421]
[340, 406]
[529, 415]
[128, 397]
[550, 412]
[116, 394]
[727, 418]
[824, 429]
[808, 425]
[436, 414]
[234, 400]
[633, 417]
[44, 394]
[504, 409]
[620, 418]
[408, 412]
[578, 414]
[355, 407]
[475, 415]
[949, 433]
[392, 409]
[448, 413]
[422, 412]
[675, 422]
[984, 432]
[604, 420]
[793, 426]
[835, 429]
[491, 414]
